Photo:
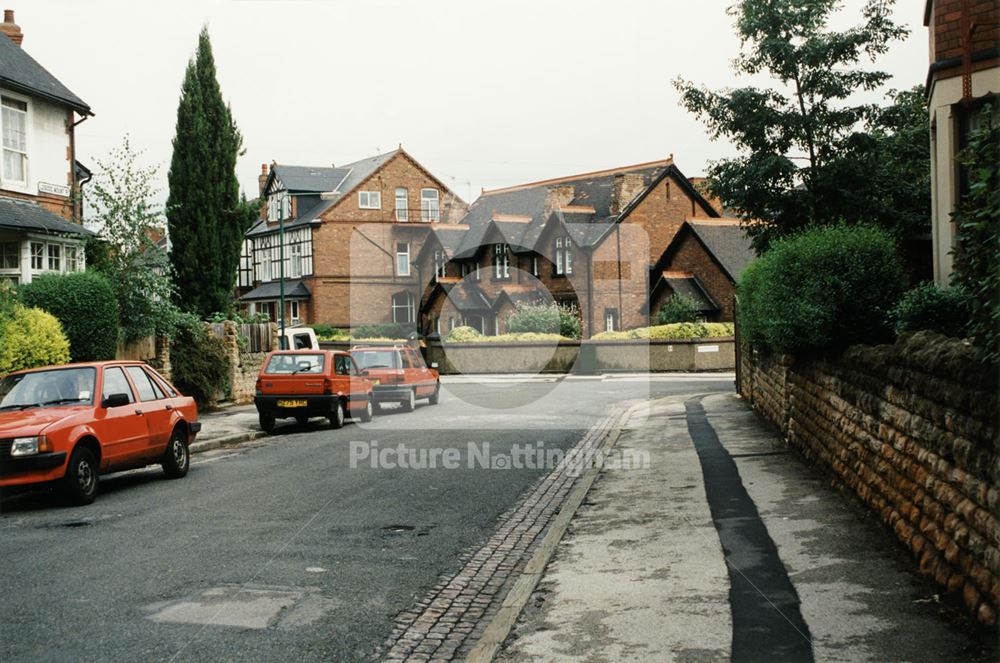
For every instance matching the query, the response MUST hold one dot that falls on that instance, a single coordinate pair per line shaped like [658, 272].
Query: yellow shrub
[32, 338]
[719, 329]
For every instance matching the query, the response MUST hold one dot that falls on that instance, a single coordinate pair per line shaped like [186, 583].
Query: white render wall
[48, 144]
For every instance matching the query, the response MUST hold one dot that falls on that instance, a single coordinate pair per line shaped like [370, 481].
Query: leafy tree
[124, 210]
[977, 236]
[205, 214]
[800, 139]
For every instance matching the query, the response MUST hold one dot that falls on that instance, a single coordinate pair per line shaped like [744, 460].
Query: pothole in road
[395, 530]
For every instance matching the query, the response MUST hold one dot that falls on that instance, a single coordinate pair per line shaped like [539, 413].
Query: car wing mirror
[116, 400]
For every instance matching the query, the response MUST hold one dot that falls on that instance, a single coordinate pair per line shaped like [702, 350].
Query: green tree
[124, 210]
[800, 138]
[977, 236]
[205, 214]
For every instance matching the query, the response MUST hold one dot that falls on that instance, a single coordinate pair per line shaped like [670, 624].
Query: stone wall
[911, 429]
[243, 366]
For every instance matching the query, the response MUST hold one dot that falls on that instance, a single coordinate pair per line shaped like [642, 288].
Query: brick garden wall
[911, 429]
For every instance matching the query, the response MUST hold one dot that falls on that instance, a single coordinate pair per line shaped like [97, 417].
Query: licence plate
[292, 403]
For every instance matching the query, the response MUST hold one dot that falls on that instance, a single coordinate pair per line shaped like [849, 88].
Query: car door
[342, 379]
[156, 409]
[421, 375]
[121, 430]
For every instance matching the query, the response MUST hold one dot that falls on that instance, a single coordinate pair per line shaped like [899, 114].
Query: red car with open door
[300, 384]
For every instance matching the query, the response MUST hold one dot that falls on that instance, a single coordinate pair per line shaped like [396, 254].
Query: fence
[259, 337]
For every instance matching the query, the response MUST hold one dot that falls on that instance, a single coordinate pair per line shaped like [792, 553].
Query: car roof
[305, 351]
[360, 348]
[83, 364]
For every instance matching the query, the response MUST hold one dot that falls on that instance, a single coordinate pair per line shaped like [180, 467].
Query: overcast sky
[484, 93]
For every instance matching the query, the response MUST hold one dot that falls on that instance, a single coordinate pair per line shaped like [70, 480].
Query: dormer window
[14, 124]
[564, 256]
[501, 261]
[370, 199]
[279, 206]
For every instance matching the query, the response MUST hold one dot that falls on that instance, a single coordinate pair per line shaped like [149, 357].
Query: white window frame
[295, 261]
[370, 199]
[564, 256]
[402, 268]
[430, 205]
[402, 210]
[440, 264]
[501, 261]
[293, 312]
[71, 258]
[16, 267]
[610, 318]
[265, 265]
[53, 254]
[39, 255]
[407, 306]
[534, 266]
[5, 177]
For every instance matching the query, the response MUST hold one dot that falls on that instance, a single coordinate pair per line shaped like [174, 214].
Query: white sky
[484, 93]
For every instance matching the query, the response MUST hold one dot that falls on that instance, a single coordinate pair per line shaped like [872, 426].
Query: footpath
[727, 546]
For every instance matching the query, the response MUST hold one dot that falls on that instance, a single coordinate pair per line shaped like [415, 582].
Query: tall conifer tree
[204, 214]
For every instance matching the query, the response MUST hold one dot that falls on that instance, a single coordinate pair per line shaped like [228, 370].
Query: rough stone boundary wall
[243, 366]
[911, 429]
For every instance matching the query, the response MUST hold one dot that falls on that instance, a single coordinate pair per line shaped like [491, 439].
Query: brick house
[585, 240]
[962, 79]
[349, 235]
[704, 262]
[40, 178]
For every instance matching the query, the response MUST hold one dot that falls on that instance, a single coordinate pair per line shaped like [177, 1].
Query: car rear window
[376, 358]
[294, 364]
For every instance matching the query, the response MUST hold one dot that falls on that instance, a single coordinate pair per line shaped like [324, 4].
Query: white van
[298, 338]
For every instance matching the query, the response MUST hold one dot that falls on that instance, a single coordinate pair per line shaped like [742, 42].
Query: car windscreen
[376, 358]
[294, 364]
[55, 388]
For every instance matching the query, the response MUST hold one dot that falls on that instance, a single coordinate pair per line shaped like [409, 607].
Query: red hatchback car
[312, 383]
[399, 374]
[72, 423]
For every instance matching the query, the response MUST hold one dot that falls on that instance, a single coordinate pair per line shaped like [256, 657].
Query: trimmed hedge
[463, 335]
[198, 362]
[31, 338]
[679, 331]
[931, 308]
[85, 304]
[825, 288]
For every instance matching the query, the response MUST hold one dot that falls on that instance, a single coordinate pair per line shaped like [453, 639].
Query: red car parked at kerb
[312, 383]
[73, 423]
[399, 374]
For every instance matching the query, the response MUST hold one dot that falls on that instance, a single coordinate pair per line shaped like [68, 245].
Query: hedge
[85, 304]
[825, 288]
[198, 361]
[931, 308]
[679, 331]
[31, 338]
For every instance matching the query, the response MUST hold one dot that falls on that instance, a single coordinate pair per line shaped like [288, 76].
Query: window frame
[430, 213]
[408, 306]
[39, 256]
[403, 254]
[369, 200]
[402, 213]
[104, 384]
[501, 262]
[54, 259]
[23, 150]
[4, 255]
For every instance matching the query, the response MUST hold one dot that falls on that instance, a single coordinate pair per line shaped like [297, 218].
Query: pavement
[727, 546]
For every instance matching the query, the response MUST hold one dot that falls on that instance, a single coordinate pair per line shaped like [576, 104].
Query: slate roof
[298, 179]
[466, 296]
[272, 290]
[727, 242]
[20, 72]
[32, 217]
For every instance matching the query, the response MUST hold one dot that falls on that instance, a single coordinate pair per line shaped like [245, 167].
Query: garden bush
[545, 318]
[198, 361]
[331, 333]
[86, 306]
[392, 330]
[31, 338]
[719, 329]
[569, 321]
[520, 337]
[678, 331]
[825, 288]
[462, 335]
[678, 308]
[932, 308]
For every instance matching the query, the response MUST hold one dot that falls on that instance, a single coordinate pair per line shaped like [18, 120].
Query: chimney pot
[8, 16]
[10, 28]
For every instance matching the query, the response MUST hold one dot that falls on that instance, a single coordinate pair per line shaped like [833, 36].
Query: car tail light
[327, 386]
[259, 387]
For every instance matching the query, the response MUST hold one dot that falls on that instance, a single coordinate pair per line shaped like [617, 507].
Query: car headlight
[28, 446]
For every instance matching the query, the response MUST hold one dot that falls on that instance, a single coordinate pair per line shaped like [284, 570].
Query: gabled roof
[687, 284]
[31, 217]
[308, 179]
[727, 242]
[723, 239]
[272, 290]
[462, 294]
[20, 72]
[521, 294]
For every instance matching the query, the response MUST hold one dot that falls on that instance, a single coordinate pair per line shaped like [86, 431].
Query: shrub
[520, 337]
[678, 331]
[823, 288]
[977, 235]
[463, 335]
[198, 360]
[931, 308]
[392, 330]
[719, 329]
[569, 321]
[329, 332]
[540, 318]
[31, 338]
[85, 304]
[678, 308]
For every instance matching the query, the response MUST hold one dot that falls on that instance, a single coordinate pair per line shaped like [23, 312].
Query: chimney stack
[10, 28]
[556, 197]
[262, 178]
[625, 187]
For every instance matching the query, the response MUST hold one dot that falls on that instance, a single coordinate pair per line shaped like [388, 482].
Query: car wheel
[80, 482]
[177, 458]
[369, 412]
[338, 416]
[410, 404]
[302, 420]
[266, 420]
[436, 396]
